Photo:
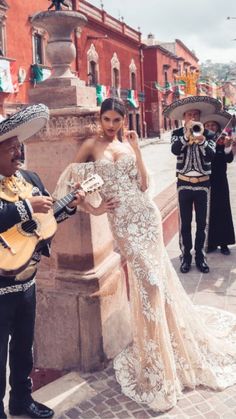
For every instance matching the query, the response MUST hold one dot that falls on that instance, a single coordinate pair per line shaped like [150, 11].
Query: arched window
[116, 78]
[133, 81]
[133, 75]
[92, 65]
[92, 75]
[115, 71]
[3, 10]
[38, 46]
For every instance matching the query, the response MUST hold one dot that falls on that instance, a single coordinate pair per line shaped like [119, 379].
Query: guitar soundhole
[28, 228]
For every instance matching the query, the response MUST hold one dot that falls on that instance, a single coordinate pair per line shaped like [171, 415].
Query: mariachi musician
[195, 149]
[221, 228]
[21, 195]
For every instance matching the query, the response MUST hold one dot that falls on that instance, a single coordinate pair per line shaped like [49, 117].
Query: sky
[201, 25]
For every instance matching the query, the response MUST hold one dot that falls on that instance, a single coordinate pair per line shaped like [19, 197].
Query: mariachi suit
[17, 293]
[221, 228]
[193, 190]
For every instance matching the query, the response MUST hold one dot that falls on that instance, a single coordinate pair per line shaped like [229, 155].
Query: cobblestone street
[110, 403]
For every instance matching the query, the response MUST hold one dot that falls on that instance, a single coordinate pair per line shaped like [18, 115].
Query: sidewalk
[98, 395]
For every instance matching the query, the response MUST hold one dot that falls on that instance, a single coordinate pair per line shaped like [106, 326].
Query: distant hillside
[219, 71]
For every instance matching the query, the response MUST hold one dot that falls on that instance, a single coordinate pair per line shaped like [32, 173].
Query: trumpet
[193, 131]
[197, 129]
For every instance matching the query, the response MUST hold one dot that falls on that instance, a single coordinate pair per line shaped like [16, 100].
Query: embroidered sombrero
[24, 123]
[205, 104]
[223, 118]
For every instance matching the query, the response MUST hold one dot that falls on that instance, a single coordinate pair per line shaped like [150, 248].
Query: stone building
[170, 72]
[109, 56]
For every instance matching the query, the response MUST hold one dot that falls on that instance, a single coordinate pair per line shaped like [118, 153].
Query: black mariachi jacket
[192, 157]
[12, 213]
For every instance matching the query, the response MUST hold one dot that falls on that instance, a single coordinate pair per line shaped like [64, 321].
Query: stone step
[63, 393]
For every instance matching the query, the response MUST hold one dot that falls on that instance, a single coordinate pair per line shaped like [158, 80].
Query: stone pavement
[98, 395]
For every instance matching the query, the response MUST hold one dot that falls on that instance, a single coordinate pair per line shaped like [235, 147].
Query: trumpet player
[194, 148]
[221, 228]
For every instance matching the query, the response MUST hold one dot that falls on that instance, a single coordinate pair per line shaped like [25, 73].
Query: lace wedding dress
[176, 344]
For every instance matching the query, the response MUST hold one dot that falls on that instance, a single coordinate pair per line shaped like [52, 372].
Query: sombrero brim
[222, 118]
[24, 123]
[205, 104]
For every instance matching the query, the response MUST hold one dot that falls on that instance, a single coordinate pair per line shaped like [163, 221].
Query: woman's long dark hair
[113, 104]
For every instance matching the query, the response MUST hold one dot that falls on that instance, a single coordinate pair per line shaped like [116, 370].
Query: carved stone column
[72, 329]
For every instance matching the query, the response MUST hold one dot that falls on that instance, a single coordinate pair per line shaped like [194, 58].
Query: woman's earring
[100, 132]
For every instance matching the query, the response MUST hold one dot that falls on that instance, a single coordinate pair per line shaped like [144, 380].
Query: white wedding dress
[176, 344]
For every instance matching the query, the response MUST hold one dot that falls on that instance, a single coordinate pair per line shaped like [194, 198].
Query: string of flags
[177, 86]
[8, 77]
[39, 73]
[181, 86]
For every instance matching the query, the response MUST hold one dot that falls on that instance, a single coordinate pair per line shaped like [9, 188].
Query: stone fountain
[63, 88]
[73, 330]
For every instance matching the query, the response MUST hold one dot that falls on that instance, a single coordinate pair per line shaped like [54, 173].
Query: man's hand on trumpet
[194, 132]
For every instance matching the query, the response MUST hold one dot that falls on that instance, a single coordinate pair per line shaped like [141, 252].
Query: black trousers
[17, 320]
[193, 196]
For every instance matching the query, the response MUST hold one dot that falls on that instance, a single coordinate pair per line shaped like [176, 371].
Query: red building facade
[109, 56]
[170, 72]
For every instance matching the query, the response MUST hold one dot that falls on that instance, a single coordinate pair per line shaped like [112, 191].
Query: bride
[176, 345]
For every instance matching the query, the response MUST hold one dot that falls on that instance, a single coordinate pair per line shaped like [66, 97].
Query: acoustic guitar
[18, 243]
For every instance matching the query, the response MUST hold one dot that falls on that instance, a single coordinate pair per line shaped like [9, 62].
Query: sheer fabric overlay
[176, 344]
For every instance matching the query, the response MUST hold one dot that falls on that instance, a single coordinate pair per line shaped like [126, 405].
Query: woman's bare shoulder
[85, 150]
[90, 141]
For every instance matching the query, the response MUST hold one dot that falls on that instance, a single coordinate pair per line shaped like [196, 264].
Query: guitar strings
[57, 206]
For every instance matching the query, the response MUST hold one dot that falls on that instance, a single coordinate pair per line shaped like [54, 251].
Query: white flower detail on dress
[175, 344]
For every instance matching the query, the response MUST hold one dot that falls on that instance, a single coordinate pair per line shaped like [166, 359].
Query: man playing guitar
[22, 194]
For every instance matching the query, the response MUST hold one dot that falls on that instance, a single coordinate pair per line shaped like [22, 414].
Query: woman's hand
[132, 138]
[106, 206]
[78, 199]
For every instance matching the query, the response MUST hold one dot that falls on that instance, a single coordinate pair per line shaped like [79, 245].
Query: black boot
[185, 263]
[2, 413]
[29, 408]
[225, 250]
[201, 264]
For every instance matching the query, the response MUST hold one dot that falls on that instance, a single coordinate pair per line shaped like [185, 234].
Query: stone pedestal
[63, 92]
[74, 330]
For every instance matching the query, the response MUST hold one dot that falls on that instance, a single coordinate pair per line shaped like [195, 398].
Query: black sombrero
[24, 123]
[205, 104]
[222, 118]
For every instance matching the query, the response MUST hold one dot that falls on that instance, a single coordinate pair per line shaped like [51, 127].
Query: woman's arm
[105, 206]
[85, 151]
[132, 138]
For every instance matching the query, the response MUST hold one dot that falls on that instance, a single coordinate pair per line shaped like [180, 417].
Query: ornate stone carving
[115, 63]
[69, 126]
[92, 54]
[132, 66]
